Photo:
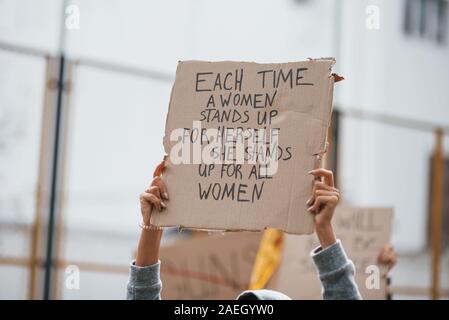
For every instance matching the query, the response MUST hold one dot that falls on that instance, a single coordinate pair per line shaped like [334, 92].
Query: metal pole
[437, 210]
[334, 144]
[42, 182]
[59, 238]
[54, 183]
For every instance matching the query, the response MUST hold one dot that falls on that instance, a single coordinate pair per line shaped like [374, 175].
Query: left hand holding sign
[322, 204]
[155, 196]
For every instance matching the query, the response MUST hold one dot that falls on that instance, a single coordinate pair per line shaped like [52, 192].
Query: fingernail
[310, 209]
[310, 172]
[165, 195]
[163, 204]
[308, 201]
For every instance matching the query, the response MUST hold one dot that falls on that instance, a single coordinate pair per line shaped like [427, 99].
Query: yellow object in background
[268, 258]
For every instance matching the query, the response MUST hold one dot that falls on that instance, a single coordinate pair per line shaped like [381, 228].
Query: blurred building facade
[393, 55]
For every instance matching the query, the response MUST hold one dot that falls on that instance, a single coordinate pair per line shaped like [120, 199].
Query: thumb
[160, 168]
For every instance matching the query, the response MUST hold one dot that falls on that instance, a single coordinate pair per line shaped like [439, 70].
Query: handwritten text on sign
[241, 137]
[228, 148]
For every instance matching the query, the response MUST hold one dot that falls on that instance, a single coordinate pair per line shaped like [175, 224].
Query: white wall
[118, 120]
[117, 123]
[156, 34]
[31, 23]
[391, 74]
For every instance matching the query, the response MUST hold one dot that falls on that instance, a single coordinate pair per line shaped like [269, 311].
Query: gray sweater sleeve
[336, 273]
[144, 282]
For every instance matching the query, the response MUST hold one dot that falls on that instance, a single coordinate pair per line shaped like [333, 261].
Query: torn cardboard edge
[337, 78]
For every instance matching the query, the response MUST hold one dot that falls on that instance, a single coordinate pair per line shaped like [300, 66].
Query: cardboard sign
[363, 232]
[240, 139]
[209, 267]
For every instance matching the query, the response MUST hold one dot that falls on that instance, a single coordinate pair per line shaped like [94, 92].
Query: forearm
[325, 234]
[148, 247]
[144, 273]
[144, 277]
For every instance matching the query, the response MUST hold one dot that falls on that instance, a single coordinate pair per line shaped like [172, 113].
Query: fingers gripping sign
[154, 195]
[324, 196]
